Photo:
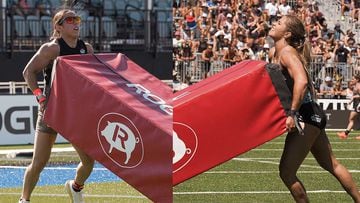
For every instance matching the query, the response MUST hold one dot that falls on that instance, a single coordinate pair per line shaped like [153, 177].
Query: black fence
[108, 30]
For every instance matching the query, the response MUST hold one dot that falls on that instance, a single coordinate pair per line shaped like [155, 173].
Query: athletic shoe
[342, 18]
[23, 201]
[76, 197]
[342, 135]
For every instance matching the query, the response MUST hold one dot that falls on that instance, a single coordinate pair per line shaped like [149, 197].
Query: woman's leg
[42, 149]
[295, 151]
[84, 168]
[352, 116]
[324, 156]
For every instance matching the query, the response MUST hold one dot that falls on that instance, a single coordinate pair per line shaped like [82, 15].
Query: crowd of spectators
[235, 30]
[352, 6]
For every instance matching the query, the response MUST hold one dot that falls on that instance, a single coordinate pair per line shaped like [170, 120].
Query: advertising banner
[18, 114]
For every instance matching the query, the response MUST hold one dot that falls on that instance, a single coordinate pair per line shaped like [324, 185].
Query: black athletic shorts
[311, 113]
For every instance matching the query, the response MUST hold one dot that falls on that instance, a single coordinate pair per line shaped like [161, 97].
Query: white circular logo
[185, 144]
[120, 140]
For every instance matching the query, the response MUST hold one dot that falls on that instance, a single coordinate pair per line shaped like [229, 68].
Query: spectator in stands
[338, 32]
[345, 6]
[329, 59]
[245, 54]
[208, 55]
[43, 8]
[190, 19]
[342, 56]
[230, 55]
[355, 14]
[185, 57]
[201, 44]
[263, 54]
[339, 92]
[187, 34]
[221, 19]
[204, 21]
[271, 9]
[65, 41]
[247, 25]
[20, 7]
[327, 89]
[177, 41]
[284, 8]
[315, 48]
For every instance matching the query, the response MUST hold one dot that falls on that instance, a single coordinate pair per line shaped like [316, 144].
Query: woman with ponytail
[292, 54]
[64, 41]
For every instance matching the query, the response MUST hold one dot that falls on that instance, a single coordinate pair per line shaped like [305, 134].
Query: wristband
[39, 95]
[37, 92]
[292, 113]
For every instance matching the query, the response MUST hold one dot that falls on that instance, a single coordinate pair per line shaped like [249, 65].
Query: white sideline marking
[86, 195]
[50, 168]
[334, 150]
[55, 149]
[252, 192]
[269, 172]
[310, 158]
[273, 162]
[336, 142]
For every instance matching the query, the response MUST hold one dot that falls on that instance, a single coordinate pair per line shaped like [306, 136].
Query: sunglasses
[70, 20]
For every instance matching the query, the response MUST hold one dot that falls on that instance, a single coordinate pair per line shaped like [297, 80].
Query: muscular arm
[298, 73]
[47, 53]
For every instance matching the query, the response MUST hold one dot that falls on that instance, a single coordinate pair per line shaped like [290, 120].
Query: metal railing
[124, 31]
[192, 71]
[13, 87]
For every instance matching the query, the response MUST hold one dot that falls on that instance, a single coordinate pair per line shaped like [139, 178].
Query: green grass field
[94, 192]
[251, 177]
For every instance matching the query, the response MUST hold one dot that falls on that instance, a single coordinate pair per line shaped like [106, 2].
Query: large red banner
[119, 114]
[224, 116]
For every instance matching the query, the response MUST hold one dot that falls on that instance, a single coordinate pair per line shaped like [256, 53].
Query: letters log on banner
[119, 114]
[224, 116]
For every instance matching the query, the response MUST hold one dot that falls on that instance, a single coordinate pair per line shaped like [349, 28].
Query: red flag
[224, 116]
[119, 115]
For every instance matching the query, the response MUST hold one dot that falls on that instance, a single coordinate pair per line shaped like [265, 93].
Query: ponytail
[305, 54]
[55, 34]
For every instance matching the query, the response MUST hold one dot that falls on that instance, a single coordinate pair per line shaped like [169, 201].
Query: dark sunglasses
[70, 20]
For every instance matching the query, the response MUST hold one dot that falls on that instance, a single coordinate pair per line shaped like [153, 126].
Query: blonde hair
[301, 44]
[298, 39]
[56, 19]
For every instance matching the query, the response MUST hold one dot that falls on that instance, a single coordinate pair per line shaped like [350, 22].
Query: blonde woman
[64, 41]
[292, 55]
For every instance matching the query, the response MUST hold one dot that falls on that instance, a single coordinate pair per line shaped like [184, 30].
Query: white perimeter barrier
[18, 115]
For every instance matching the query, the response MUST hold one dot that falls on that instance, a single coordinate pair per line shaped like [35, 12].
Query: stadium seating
[109, 27]
[109, 8]
[46, 22]
[34, 26]
[20, 26]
